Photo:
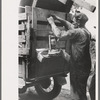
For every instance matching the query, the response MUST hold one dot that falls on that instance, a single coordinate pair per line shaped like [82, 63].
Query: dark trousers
[78, 82]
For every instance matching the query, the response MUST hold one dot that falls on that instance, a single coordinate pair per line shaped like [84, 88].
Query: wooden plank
[63, 1]
[21, 27]
[22, 16]
[34, 3]
[21, 45]
[46, 27]
[27, 41]
[43, 30]
[26, 67]
[22, 69]
[28, 9]
[46, 22]
[30, 16]
[43, 27]
[23, 51]
[28, 33]
[42, 14]
[85, 4]
[42, 33]
[42, 38]
[42, 44]
[21, 38]
[34, 19]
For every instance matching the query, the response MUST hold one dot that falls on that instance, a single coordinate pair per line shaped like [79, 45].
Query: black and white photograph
[56, 50]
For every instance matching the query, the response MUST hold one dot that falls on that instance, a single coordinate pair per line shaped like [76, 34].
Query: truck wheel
[23, 90]
[51, 91]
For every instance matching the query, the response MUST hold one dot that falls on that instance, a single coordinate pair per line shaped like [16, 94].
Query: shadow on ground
[31, 94]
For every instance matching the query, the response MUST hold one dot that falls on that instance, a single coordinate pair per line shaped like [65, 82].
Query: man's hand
[54, 17]
[50, 20]
[65, 55]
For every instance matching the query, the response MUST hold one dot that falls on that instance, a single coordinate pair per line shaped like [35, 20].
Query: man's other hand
[50, 20]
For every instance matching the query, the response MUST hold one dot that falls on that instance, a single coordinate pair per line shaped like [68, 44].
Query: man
[79, 56]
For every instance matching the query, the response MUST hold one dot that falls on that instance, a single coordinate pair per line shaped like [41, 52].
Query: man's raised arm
[67, 24]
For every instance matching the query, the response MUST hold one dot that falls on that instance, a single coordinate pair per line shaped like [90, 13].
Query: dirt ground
[32, 95]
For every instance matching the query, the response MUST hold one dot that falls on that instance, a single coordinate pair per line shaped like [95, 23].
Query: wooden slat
[26, 71]
[42, 38]
[85, 4]
[28, 9]
[34, 19]
[43, 27]
[22, 16]
[23, 51]
[27, 41]
[44, 31]
[21, 27]
[42, 44]
[46, 23]
[30, 16]
[34, 3]
[46, 27]
[63, 1]
[22, 70]
[28, 33]
[42, 14]
[21, 38]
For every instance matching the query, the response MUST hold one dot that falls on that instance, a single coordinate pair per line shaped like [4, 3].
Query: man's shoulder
[77, 30]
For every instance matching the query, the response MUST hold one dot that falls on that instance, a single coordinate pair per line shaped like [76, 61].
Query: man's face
[53, 42]
[76, 22]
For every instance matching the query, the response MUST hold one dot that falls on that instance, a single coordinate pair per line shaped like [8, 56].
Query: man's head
[79, 19]
[53, 43]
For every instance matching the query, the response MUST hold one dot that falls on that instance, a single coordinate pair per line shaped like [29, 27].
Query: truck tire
[23, 90]
[45, 93]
